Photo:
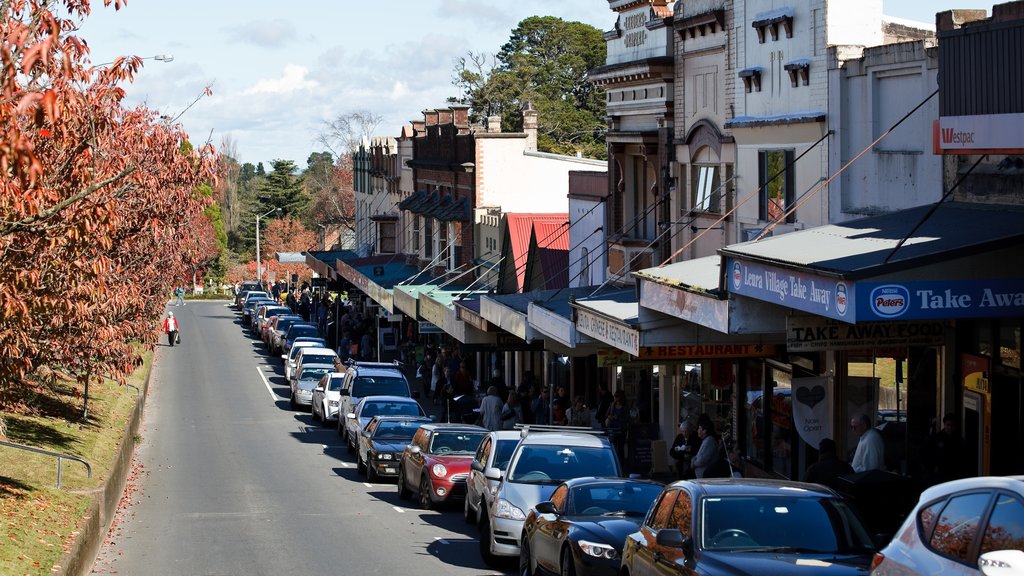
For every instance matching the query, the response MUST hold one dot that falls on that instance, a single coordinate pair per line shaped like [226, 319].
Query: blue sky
[278, 74]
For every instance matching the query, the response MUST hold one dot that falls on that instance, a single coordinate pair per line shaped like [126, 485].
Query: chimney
[444, 115]
[419, 127]
[430, 117]
[461, 112]
[493, 124]
[953, 19]
[530, 126]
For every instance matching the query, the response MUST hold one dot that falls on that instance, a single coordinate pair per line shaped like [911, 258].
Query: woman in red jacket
[171, 328]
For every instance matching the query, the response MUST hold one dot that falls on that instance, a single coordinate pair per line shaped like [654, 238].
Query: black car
[582, 528]
[738, 526]
[381, 444]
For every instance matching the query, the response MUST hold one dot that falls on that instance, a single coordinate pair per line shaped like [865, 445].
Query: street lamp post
[259, 261]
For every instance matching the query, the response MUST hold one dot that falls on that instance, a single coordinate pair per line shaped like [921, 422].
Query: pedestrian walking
[180, 293]
[171, 329]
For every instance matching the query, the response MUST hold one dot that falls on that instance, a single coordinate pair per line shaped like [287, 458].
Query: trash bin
[883, 499]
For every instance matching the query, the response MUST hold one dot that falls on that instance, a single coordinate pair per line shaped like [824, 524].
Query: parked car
[267, 323]
[298, 330]
[748, 526]
[492, 458]
[281, 326]
[307, 377]
[250, 306]
[435, 464]
[370, 406]
[263, 314]
[954, 525]
[324, 404]
[582, 528]
[381, 444]
[312, 355]
[371, 379]
[243, 289]
[543, 459]
[290, 358]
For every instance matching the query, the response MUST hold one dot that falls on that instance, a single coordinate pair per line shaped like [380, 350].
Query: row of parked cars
[557, 501]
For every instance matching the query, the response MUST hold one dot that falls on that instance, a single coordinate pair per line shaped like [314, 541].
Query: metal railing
[60, 458]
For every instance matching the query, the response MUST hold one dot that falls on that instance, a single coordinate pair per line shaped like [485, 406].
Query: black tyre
[524, 560]
[485, 542]
[425, 502]
[371, 473]
[403, 491]
[360, 467]
[467, 512]
[568, 564]
[348, 444]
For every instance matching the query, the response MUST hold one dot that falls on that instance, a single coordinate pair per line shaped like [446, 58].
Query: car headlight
[439, 470]
[332, 403]
[505, 509]
[384, 456]
[598, 550]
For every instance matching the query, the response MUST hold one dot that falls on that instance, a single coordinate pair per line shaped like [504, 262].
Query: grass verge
[37, 521]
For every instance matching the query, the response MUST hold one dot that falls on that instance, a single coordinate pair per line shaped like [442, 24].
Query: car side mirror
[319, 389]
[546, 508]
[414, 449]
[284, 356]
[350, 416]
[492, 474]
[673, 538]
[1001, 562]
[344, 392]
[474, 465]
[433, 418]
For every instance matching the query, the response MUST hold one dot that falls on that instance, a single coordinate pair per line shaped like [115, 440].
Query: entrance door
[974, 430]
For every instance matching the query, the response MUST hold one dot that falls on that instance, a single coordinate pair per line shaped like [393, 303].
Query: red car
[436, 463]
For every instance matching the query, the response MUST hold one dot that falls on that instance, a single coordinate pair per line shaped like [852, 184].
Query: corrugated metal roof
[697, 275]
[859, 248]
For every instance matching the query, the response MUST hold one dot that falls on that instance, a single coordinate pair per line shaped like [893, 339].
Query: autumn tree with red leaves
[98, 205]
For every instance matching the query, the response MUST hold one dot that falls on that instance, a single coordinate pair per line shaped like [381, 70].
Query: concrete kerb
[81, 554]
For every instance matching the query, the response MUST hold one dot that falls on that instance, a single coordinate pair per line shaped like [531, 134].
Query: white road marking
[398, 509]
[367, 484]
[440, 540]
[346, 465]
[266, 383]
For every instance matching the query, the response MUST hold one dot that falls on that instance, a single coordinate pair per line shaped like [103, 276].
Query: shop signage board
[820, 295]
[683, 353]
[552, 324]
[625, 338]
[814, 334]
[704, 310]
[982, 132]
[940, 300]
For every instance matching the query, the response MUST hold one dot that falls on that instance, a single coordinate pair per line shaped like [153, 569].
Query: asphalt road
[229, 480]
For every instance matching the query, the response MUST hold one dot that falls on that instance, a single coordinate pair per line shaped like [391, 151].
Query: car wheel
[568, 564]
[348, 443]
[312, 409]
[291, 401]
[371, 473]
[467, 512]
[524, 560]
[485, 542]
[425, 502]
[341, 428]
[403, 492]
[360, 467]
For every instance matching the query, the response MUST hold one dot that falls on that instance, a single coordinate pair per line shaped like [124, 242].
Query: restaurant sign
[684, 353]
[829, 297]
[625, 338]
[813, 334]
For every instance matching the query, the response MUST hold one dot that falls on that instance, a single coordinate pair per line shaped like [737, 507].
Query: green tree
[282, 188]
[545, 63]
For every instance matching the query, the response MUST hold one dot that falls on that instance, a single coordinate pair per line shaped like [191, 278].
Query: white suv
[545, 457]
[491, 460]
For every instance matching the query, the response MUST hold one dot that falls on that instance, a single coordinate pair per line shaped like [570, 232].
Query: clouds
[276, 33]
[293, 79]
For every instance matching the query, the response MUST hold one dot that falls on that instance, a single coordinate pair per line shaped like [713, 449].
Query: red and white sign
[986, 133]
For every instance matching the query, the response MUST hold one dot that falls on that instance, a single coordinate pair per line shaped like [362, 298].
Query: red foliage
[98, 215]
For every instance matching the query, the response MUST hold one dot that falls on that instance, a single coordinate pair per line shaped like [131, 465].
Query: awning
[437, 306]
[962, 261]
[323, 261]
[509, 312]
[376, 276]
[551, 316]
[692, 291]
[618, 320]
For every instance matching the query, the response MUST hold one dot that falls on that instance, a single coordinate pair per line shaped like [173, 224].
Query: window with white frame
[428, 237]
[775, 179]
[706, 195]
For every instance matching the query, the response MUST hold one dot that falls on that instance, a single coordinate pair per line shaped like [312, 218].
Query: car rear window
[391, 409]
[284, 323]
[318, 358]
[297, 331]
[504, 453]
[549, 464]
[397, 429]
[379, 386]
[461, 442]
[313, 373]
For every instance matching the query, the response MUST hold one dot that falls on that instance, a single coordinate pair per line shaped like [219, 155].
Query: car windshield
[504, 453]
[379, 386]
[275, 311]
[314, 373]
[613, 499]
[284, 323]
[460, 442]
[391, 409]
[297, 331]
[396, 429]
[549, 464]
[780, 524]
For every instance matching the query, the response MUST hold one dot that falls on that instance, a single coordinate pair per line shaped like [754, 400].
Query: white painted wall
[635, 41]
[520, 181]
[868, 95]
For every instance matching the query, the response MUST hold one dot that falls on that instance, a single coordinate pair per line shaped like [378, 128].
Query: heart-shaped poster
[810, 397]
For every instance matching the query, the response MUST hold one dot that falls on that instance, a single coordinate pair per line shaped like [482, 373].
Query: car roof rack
[364, 364]
[526, 429]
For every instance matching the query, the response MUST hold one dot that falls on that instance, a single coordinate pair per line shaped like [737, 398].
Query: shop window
[876, 387]
[783, 438]
[1009, 344]
[387, 237]
[775, 185]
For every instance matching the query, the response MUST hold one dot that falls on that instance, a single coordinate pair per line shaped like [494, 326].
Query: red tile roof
[551, 232]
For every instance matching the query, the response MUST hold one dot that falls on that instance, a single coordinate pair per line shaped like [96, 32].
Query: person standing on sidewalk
[171, 328]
